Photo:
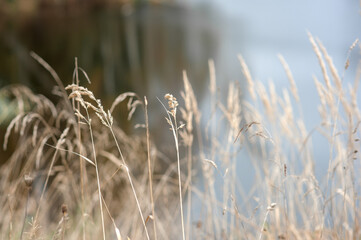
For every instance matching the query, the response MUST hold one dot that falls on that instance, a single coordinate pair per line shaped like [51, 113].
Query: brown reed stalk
[81, 161]
[150, 167]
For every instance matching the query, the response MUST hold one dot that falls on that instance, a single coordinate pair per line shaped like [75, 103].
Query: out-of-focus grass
[76, 175]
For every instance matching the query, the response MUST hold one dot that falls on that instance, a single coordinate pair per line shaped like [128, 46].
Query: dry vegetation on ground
[75, 174]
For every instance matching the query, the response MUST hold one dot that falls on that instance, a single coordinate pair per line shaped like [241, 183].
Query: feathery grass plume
[347, 63]
[207, 170]
[318, 53]
[190, 110]
[290, 77]
[335, 76]
[336, 121]
[233, 113]
[248, 76]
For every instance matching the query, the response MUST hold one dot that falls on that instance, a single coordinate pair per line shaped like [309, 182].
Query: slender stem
[63, 227]
[54, 75]
[81, 161]
[131, 182]
[262, 227]
[44, 188]
[97, 172]
[149, 167]
[26, 213]
[189, 191]
[175, 135]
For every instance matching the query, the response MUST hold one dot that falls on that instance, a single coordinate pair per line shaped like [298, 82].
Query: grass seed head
[172, 103]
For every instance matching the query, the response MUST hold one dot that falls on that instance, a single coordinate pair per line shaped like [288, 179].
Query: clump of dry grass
[77, 154]
[48, 147]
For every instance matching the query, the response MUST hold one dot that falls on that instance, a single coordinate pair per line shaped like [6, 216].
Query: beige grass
[116, 185]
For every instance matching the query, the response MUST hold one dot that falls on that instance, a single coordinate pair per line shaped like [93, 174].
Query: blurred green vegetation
[121, 45]
[140, 46]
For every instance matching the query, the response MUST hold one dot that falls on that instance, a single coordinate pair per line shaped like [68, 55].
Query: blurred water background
[144, 46]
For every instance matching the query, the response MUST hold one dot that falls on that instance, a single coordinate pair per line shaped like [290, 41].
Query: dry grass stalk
[172, 121]
[77, 94]
[53, 74]
[82, 169]
[190, 110]
[62, 225]
[59, 143]
[107, 120]
[263, 132]
[28, 182]
[212, 74]
[150, 167]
